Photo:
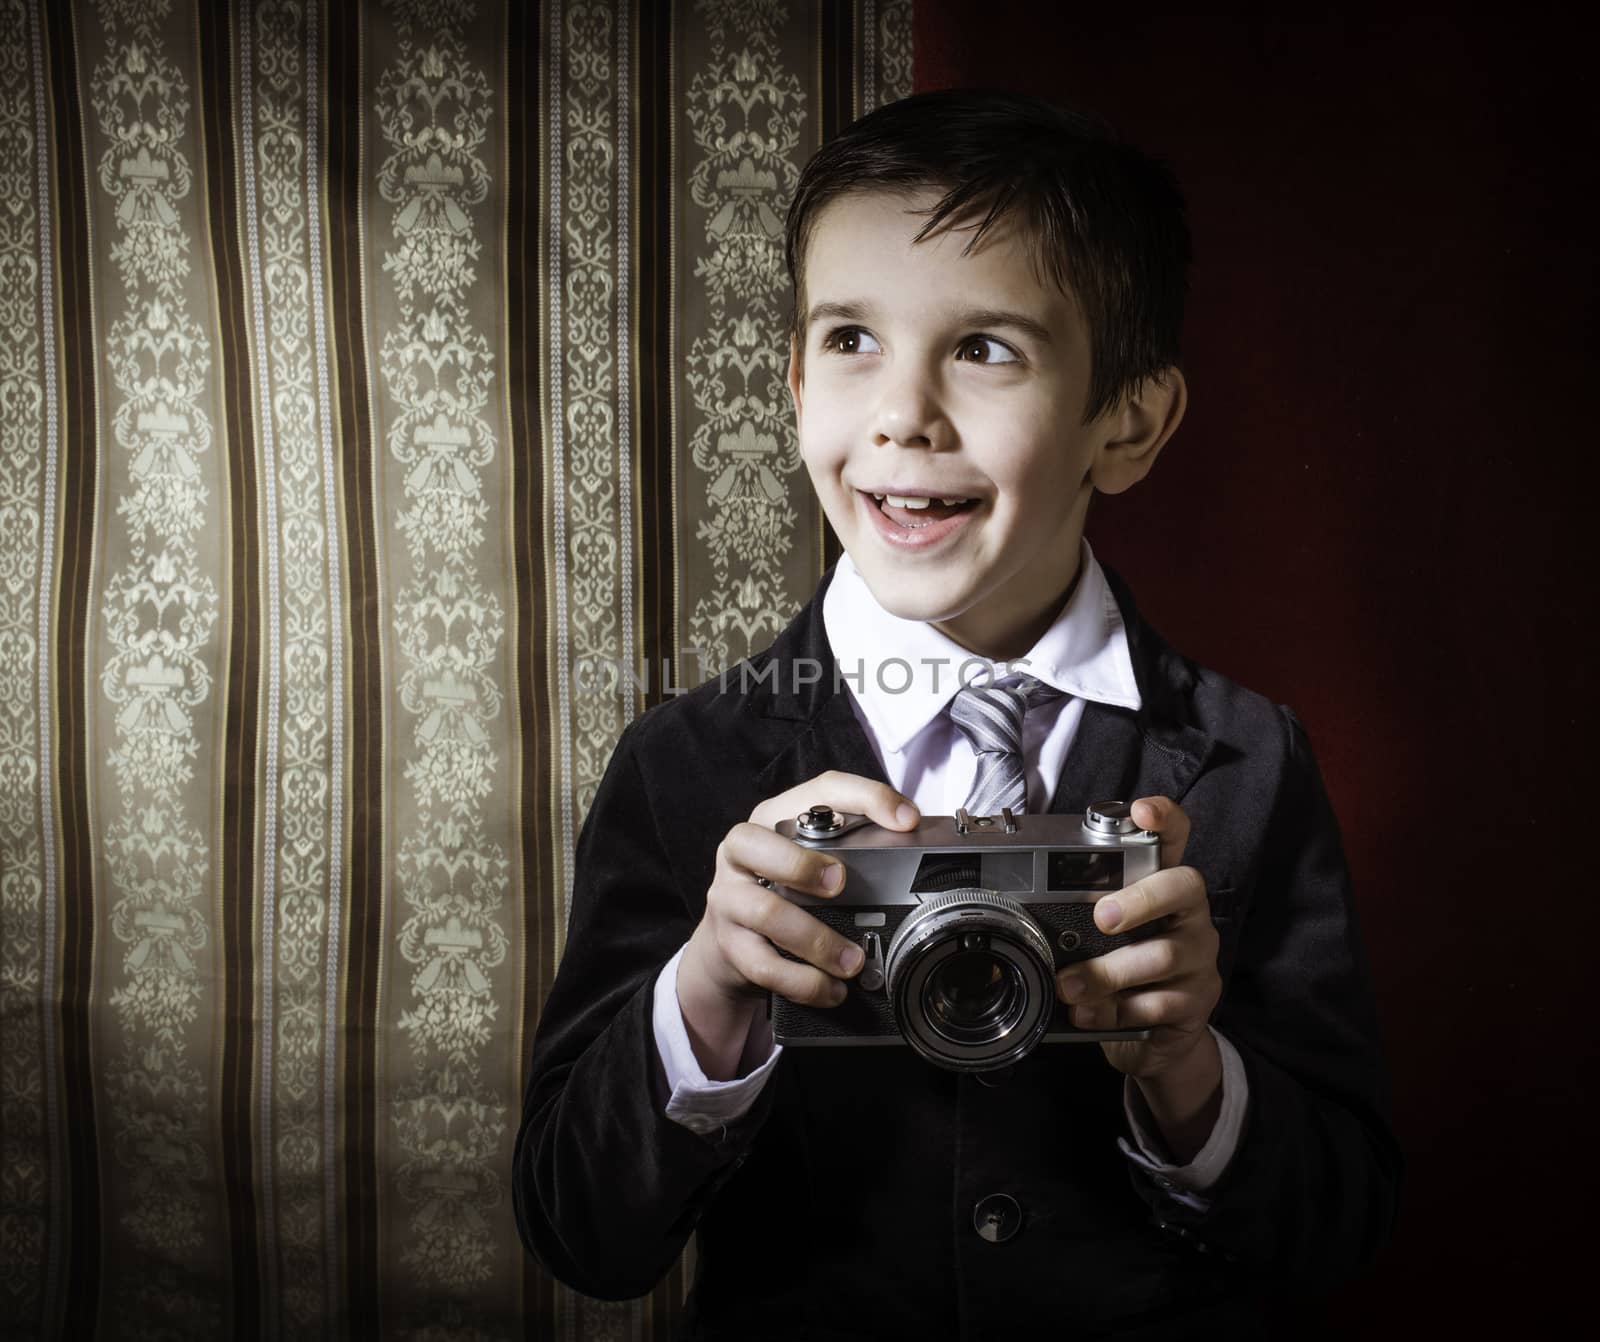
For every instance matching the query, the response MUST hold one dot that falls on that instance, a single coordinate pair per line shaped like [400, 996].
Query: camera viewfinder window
[1003, 872]
[1066, 870]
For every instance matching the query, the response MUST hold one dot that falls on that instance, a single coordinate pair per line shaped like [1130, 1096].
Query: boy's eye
[975, 349]
[987, 350]
[847, 340]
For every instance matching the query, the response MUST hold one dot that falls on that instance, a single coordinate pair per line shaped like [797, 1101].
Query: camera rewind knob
[1116, 817]
[1109, 817]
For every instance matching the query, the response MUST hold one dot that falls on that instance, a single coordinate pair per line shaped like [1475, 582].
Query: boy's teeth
[896, 501]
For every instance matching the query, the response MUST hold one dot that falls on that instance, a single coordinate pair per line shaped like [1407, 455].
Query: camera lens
[972, 997]
[969, 976]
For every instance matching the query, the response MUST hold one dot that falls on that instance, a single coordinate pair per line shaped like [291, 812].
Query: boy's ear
[796, 376]
[1138, 430]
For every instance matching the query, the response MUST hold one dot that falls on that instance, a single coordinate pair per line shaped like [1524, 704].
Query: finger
[793, 929]
[751, 851]
[1126, 967]
[752, 955]
[1178, 892]
[1167, 1005]
[1169, 820]
[844, 792]
[789, 926]
[1097, 1015]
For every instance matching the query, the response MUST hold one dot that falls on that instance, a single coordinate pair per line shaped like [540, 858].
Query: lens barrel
[971, 977]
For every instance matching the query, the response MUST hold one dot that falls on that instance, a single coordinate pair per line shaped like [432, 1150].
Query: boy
[988, 297]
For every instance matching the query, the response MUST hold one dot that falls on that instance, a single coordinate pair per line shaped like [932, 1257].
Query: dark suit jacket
[842, 1204]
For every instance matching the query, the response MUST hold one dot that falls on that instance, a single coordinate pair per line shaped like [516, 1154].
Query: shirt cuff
[698, 1103]
[1186, 1183]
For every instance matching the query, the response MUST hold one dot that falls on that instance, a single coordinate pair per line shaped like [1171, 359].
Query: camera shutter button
[819, 822]
[997, 1217]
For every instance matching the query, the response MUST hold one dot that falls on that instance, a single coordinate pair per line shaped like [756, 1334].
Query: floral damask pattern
[450, 1117]
[889, 77]
[746, 111]
[158, 610]
[276, 800]
[302, 754]
[595, 452]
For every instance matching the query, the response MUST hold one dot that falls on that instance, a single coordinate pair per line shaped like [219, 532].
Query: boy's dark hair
[1106, 220]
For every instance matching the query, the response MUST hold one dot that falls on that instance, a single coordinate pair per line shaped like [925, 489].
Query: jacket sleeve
[605, 1186]
[1311, 1191]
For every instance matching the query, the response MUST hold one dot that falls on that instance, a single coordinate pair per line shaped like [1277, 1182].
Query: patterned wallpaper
[391, 407]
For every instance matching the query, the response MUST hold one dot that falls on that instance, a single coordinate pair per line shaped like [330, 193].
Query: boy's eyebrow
[969, 317]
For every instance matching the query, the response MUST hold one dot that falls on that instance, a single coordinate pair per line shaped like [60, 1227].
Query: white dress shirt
[902, 675]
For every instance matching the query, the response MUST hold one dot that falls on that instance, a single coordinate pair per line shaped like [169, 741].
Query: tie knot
[1025, 691]
[990, 716]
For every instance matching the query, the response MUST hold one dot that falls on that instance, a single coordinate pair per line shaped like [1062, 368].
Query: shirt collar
[1083, 653]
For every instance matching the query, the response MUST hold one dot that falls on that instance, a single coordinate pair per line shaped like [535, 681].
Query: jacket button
[997, 1218]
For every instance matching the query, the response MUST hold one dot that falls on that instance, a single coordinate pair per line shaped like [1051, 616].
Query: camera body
[965, 921]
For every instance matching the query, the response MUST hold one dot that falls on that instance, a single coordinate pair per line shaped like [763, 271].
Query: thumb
[1166, 818]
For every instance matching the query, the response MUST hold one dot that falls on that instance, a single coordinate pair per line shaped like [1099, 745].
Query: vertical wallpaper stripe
[329, 888]
[556, 446]
[29, 1168]
[300, 904]
[355, 1250]
[156, 659]
[393, 408]
[524, 393]
[746, 126]
[648, 321]
[236, 893]
[270, 1282]
[627, 643]
[432, 289]
[837, 96]
[52, 1153]
[78, 1295]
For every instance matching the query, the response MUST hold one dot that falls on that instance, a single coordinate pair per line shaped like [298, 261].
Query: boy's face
[928, 373]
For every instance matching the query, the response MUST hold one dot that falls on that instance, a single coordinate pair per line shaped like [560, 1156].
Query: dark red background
[1378, 510]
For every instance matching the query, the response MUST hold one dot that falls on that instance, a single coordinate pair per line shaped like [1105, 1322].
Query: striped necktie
[990, 717]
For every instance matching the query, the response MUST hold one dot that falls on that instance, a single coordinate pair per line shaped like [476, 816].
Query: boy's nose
[908, 412]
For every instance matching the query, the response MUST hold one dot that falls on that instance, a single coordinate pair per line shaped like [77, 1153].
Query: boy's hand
[1168, 982]
[730, 962]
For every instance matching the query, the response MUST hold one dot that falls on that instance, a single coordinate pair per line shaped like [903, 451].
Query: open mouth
[915, 513]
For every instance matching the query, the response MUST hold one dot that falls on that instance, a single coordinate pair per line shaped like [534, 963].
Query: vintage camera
[964, 921]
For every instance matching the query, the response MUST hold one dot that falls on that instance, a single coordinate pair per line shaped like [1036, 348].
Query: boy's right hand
[731, 962]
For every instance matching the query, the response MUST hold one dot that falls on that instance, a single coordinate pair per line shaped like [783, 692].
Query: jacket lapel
[1116, 757]
[826, 734]
[833, 739]
[1120, 754]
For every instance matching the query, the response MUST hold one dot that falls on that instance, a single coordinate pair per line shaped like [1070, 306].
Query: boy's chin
[909, 599]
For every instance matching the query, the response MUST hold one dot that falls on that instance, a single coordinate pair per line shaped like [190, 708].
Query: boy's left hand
[1169, 981]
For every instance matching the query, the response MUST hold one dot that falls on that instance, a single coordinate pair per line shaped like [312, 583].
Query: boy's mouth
[915, 512]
